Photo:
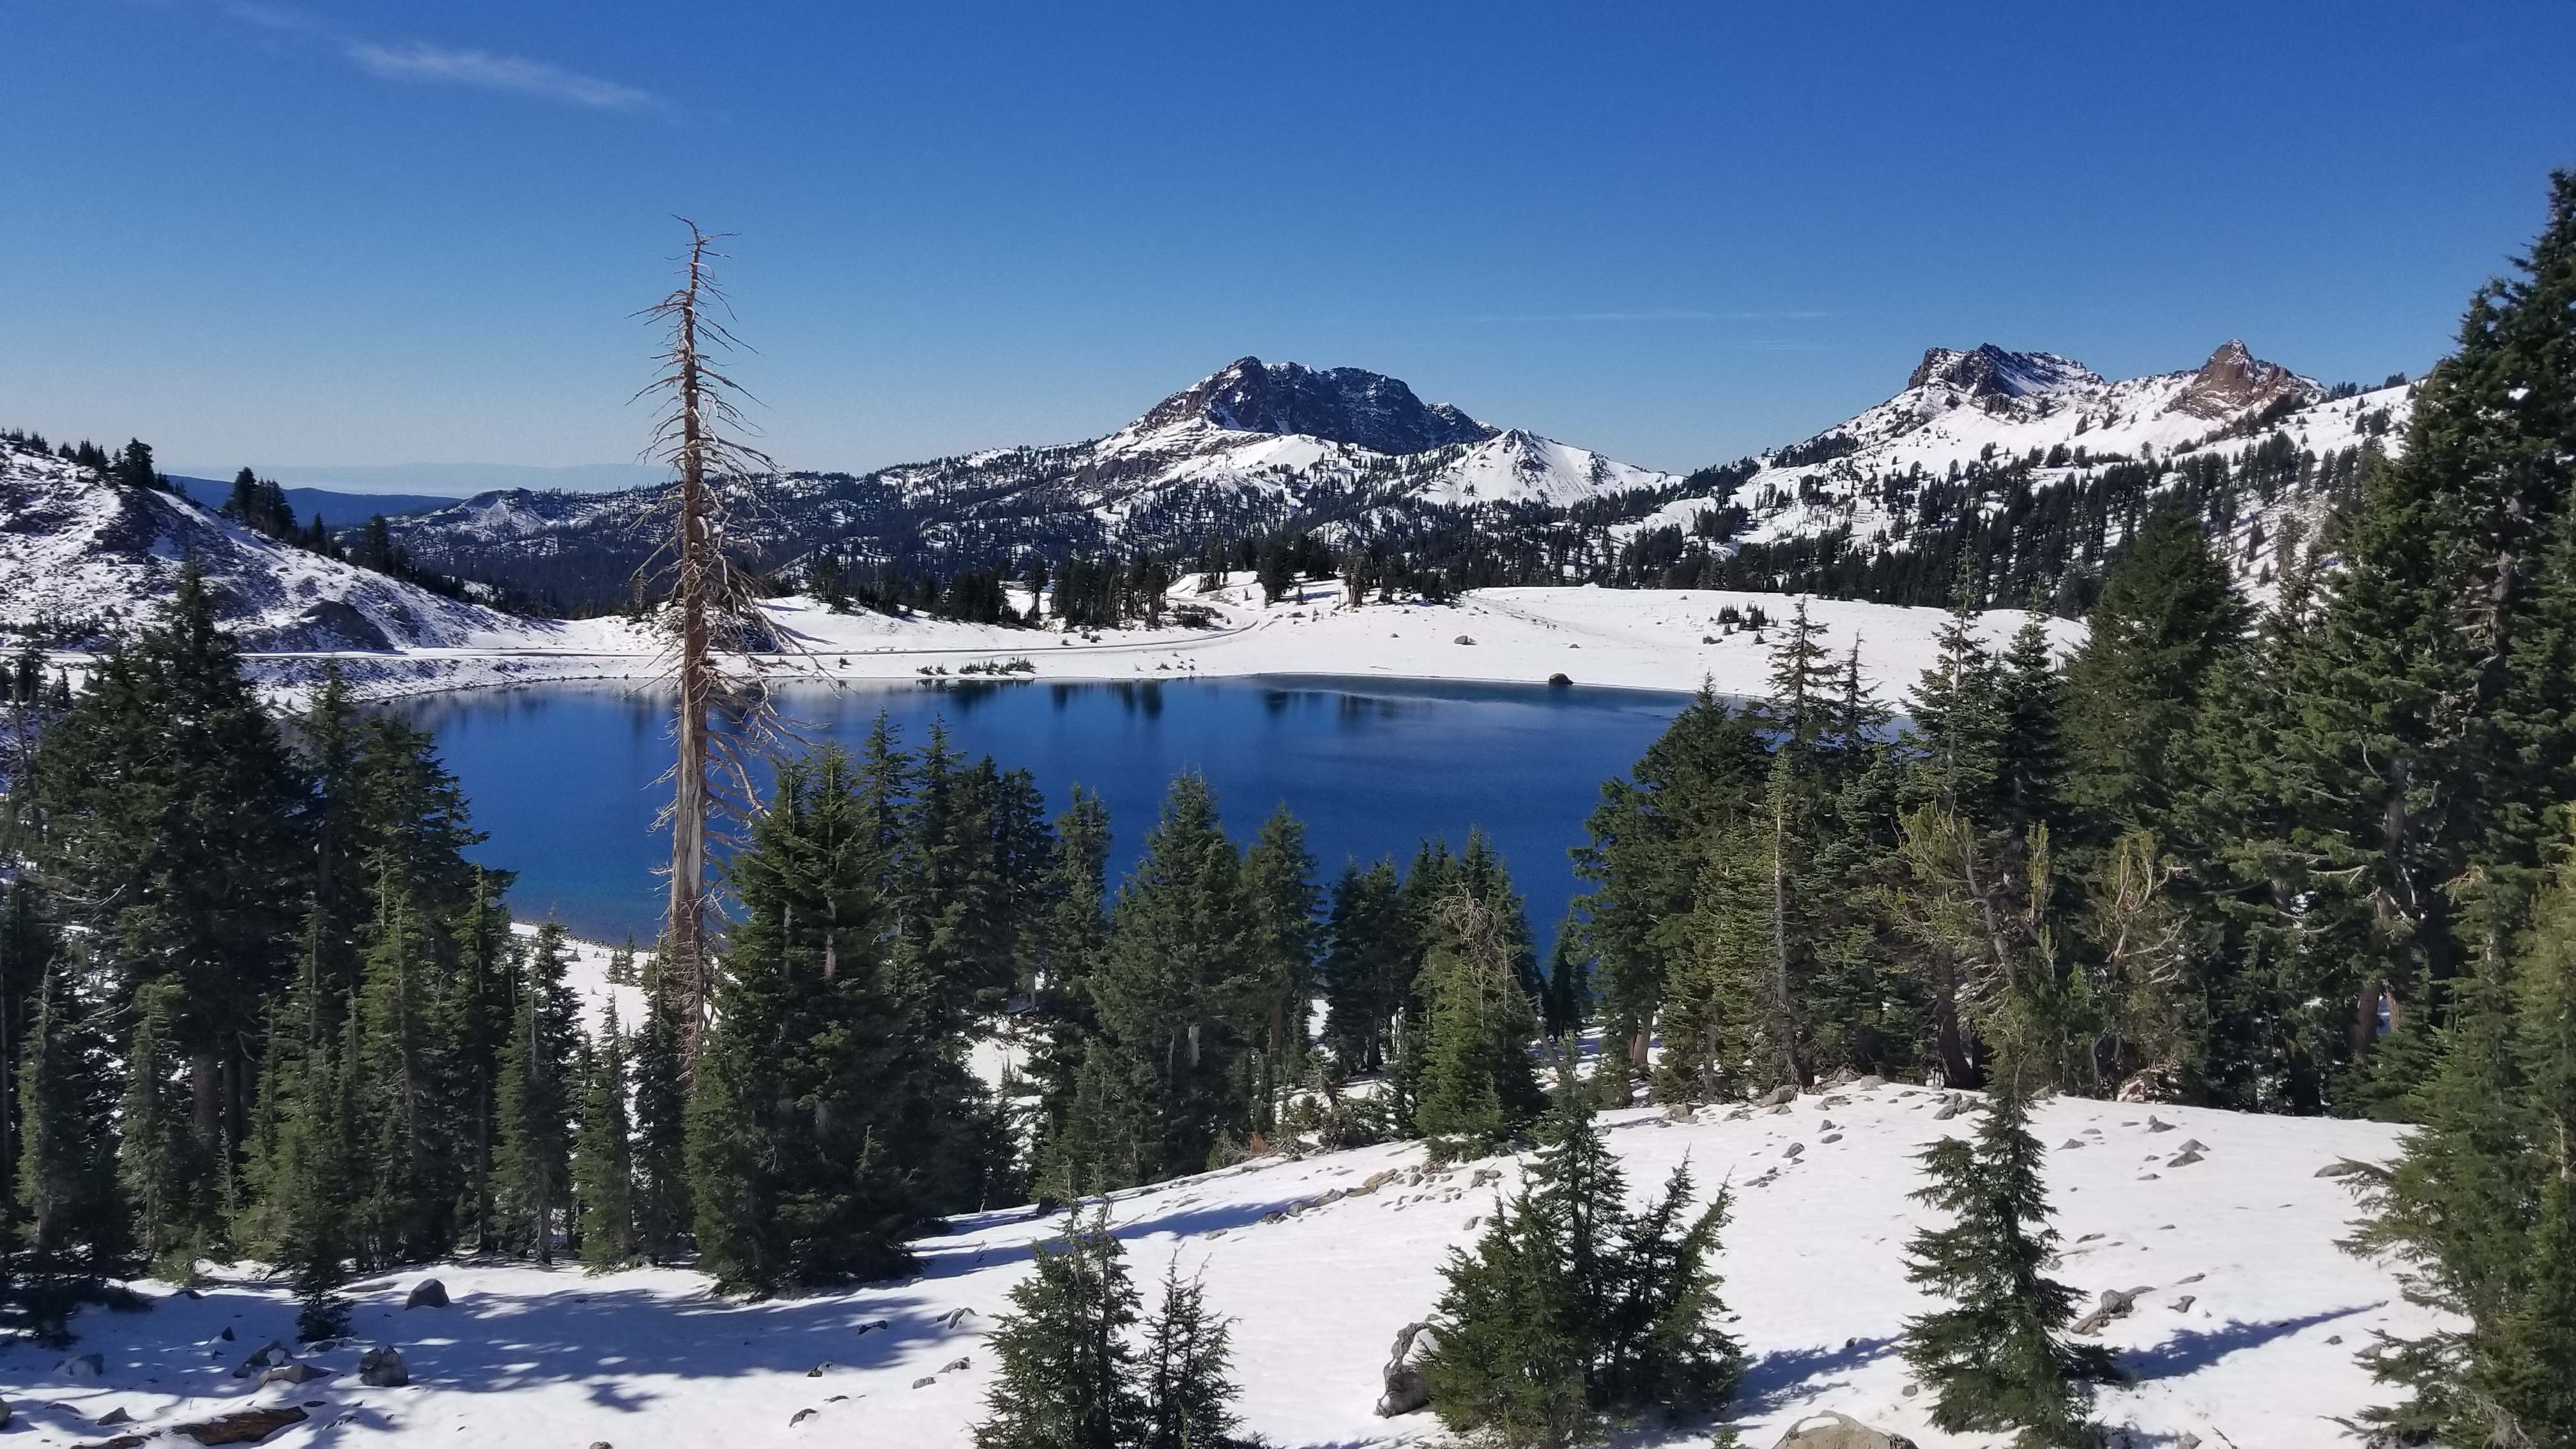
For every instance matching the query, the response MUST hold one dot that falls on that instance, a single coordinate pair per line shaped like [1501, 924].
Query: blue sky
[386, 233]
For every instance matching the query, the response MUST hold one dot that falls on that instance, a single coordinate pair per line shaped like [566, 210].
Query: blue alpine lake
[566, 778]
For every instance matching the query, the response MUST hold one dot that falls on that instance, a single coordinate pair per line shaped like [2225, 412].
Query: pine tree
[1995, 1359]
[1188, 1396]
[1478, 1086]
[822, 1104]
[1279, 969]
[532, 1160]
[1069, 946]
[1066, 1375]
[155, 1170]
[1363, 966]
[1159, 1089]
[73, 1231]
[2476, 1208]
[171, 808]
[603, 1168]
[1573, 1306]
[662, 1206]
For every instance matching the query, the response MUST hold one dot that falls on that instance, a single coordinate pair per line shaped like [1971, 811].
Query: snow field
[2260, 1352]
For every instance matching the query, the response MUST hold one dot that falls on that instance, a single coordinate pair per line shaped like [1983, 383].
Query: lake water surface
[563, 777]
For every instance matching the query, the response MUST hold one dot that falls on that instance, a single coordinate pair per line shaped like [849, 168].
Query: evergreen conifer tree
[532, 1159]
[160, 1183]
[1573, 1306]
[603, 1166]
[1066, 1375]
[1478, 1086]
[1279, 968]
[1995, 1358]
[1189, 1397]
[662, 1206]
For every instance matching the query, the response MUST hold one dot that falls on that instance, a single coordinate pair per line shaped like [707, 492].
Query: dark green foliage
[1066, 1375]
[1189, 1398]
[1279, 957]
[830, 1118]
[1158, 1087]
[603, 1164]
[1995, 1358]
[1573, 1310]
[156, 1168]
[662, 1205]
[2476, 1210]
[1365, 967]
[1478, 1087]
[532, 1162]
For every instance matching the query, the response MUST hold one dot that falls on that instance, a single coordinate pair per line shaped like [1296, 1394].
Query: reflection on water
[564, 776]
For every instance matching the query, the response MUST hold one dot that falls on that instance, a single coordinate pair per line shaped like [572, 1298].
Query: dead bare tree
[714, 610]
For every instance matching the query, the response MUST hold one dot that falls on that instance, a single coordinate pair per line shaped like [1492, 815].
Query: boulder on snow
[5, 1413]
[2342, 1167]
[114, 1417]
[1462, 639]
[1829, 1430]
[1949, 1109]
[382, 1368]
[954, 1318]
[427, 1293]
[1407, 1389]
[244, 1426]
[86, 1366]
[267, 1355]
[2114, 1303]
[291, 1373]
[1780, 1097]
[1559, 681]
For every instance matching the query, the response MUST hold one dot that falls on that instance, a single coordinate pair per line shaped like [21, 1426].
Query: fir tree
[2476, 1208]
[1188, 1396]
[662, 1206]
[1158, 1087]
[73, 1227]
[1478, 1087]
[1066, 1375]
[1996, 1358]
[1277, 984]
[1365, 981]
[160, 1181]
[603, 1168]
[532, 1160]
[1573, 1307]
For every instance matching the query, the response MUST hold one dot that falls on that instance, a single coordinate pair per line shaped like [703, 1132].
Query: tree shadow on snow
[1180, 1221]
[1773, 1379]
[2194, 1349]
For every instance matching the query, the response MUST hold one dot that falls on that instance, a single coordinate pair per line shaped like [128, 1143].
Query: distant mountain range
[335, 509]
[2027, 464]
[448, 481]
[1252, 447]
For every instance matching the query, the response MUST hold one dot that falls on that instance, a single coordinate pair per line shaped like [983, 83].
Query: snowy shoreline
[1666, 641]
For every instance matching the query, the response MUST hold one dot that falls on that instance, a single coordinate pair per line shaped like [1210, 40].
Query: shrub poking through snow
[1574, 1311]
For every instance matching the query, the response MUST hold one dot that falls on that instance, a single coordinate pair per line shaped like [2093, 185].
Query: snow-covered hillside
[2244, 1333]
[81, 557]
[2058, 418]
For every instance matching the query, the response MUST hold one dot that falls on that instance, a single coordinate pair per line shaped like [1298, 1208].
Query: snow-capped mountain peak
[1338, 405]
[1988, 371]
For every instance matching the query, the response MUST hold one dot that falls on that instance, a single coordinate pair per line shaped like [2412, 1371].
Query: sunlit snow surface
[645, 1359]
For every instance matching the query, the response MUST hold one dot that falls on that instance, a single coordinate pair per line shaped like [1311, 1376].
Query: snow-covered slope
[2053, 417]
[81, 557]
[2245, 1335]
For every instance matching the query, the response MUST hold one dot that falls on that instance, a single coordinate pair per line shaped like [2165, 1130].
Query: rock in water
[1829, 1430]
[246, 1426]
[427, 1293]
[382, 1368]
[1406, 1388]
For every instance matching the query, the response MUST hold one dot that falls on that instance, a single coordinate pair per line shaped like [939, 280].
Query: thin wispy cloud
[421, 62]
